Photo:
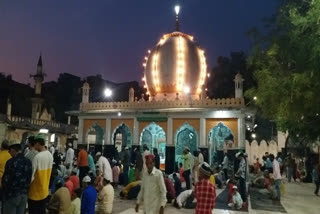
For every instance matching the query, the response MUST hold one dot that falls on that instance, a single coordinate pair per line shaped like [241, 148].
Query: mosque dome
[176, 65]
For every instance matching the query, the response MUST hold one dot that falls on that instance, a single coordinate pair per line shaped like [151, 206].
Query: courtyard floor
[299, 199]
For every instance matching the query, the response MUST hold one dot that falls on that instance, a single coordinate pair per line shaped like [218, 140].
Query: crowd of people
[43, 180]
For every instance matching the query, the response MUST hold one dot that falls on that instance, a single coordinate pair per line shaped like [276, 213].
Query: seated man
[171, 192]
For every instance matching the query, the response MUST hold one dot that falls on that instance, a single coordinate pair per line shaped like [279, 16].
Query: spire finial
[177, 10]
[40, 60]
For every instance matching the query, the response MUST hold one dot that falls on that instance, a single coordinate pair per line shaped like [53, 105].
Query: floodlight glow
[255, 98]
[119, 114]
[107, 92]
[44, 131]
[177, 9]
[186, 90]
[253, 135]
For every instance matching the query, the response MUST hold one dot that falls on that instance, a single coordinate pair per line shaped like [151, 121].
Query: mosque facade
[178, 113]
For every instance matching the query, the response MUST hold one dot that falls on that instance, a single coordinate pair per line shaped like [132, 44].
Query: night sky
[111, 37]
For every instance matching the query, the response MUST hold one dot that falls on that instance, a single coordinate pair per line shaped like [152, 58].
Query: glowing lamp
[107, 92]
[255, 98]
[146, 58]
[144, 64]
[186, 90]
[119, 114]
[177, 9]
[253, 135]
[149, 51]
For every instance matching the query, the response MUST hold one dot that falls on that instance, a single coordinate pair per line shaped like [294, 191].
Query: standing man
[153, 190]
[83, 162]
[225, 166]
[32, 151]
[4, 157]
[69, 158]
[316, 178]
[276, 175]
[156, 158]
[186, 157]
[126, 161]
[41, 172]
[205, 191]
[104, 167]
[15, 181]
[145, 153]
[241, 173]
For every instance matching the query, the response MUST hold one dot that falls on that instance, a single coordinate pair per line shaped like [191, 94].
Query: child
[76, 202]
[236, 199]
[115, 173]
[181, 172]
[131, 173]
[230, 184]
[98, 181]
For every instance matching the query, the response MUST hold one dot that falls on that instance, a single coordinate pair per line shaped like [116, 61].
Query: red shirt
[205, 194]
[82, 158]
[171, 192]
[75, 180]
[69, 186]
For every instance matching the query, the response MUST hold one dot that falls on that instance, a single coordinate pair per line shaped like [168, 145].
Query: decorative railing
[37, 124]
[207, 103]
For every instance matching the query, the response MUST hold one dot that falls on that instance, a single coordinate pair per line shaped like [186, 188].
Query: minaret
[85, 92]
[37, 100]
[238, 84]
[131, 95]
[38, 78]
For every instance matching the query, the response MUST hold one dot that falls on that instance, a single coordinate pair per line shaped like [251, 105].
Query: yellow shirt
[41, 167]
[4, 157]
[212, 180]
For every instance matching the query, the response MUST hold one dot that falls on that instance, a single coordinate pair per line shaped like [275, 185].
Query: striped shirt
[42, 167]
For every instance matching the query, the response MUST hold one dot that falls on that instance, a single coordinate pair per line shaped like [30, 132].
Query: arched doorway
[154, 137]
[95, 135]
[220, 138]
[122, 137]
[186, 136]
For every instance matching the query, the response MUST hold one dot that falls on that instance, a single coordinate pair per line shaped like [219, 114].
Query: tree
[286, 61]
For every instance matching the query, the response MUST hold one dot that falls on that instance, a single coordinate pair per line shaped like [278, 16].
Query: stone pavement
[299, 199]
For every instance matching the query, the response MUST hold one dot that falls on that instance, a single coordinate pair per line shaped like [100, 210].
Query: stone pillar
[202, 134]
[107, 136]
[9, 107]
[69, 119]
[241, 132]
[80, 132]
[169, 133]
[136, 133]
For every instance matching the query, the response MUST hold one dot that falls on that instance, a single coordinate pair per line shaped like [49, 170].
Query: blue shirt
[17, 176]
[88, 200]
[91, 164]
[268, 163]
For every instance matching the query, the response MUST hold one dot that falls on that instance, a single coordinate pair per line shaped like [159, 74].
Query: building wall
[87, 123]
[232, 123]
[117, 122]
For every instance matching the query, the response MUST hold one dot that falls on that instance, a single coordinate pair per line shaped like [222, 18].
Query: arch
[95, 134]
[122, 136]
[186, 135]
[273, 148]
[154, 136]
[220, 138]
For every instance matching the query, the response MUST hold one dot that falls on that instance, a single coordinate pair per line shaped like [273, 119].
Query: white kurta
[69, 157]
[153, 192]
[105, 168]
[182, 197]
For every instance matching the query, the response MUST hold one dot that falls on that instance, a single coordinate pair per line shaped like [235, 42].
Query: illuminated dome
[176, 65]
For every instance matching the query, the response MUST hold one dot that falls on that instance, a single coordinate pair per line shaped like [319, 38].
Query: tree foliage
[286, 61]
